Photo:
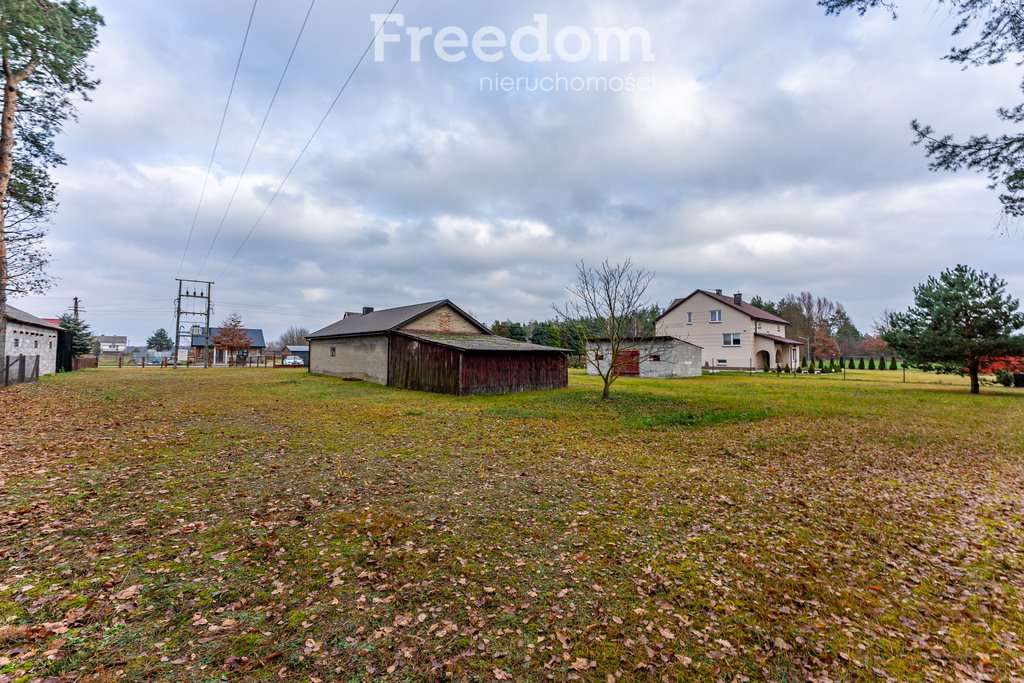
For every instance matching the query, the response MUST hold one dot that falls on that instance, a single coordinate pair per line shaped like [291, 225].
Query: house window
[600, 356]
[689, 318]
[732, 339]
[334, 351]
[716, 315]
[16, 342]
[51, 345]
[656, 358]
[35, 343]
[722, 362]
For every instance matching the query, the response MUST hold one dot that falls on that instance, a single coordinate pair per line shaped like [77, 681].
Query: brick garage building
[435, 347]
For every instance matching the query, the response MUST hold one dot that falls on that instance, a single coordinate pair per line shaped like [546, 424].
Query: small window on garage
[16, 342]
[656, 357]
[723, 362]
[334, 351]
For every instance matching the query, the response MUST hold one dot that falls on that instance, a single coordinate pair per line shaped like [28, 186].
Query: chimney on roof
[367, 310]
[718, 291]
[737, 298]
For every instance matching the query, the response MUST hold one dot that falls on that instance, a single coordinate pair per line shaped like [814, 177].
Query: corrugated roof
[255, 336]
[389, 320]
[479, 342]
[744, 307]
[18, 315]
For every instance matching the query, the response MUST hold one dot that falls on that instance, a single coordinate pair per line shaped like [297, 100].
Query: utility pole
[194, 304]
[76, 308]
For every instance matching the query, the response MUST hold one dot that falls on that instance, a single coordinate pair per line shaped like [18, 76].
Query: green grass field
[200, 525]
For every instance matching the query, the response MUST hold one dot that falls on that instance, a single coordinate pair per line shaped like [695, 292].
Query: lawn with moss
[197, 525]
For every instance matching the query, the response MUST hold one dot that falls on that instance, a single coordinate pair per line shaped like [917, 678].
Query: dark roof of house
[297, 349]
[780, 340]
[255, 336]
[107, 339]
[18, 315]
[479, 342]
[743, 307]
[389, 320]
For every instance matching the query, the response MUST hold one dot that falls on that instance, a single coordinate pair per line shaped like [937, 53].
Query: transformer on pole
[194, 304]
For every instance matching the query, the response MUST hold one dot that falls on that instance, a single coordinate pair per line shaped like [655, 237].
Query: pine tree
[861, 365]
[893, 365]
[160, 341]
[81, 338]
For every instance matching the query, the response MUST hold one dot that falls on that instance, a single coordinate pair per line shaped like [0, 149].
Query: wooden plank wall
[423, 367]
[504, 373]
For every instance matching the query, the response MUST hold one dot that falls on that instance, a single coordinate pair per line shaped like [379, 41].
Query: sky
[754, 147]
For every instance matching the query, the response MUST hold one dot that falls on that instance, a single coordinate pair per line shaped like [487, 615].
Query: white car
[292, 361]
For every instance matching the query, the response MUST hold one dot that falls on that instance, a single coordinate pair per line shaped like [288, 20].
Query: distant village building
[293, 350]
[436, 347]
[219, 356]
[110, 345]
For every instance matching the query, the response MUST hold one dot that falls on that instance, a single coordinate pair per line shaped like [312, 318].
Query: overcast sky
[762, 148]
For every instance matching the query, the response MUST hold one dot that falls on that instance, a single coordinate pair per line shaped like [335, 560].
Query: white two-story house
[733, 334]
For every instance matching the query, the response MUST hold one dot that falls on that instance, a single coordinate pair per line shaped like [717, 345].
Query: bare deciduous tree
[606, 303]
[294, 336]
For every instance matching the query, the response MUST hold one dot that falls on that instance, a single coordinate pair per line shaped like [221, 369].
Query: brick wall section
[443, 319]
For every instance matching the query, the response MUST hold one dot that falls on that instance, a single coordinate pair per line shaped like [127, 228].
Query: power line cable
[259, 134]
[309, 142]
[220, 130]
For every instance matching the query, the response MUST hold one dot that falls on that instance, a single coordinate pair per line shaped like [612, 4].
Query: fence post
[35, 370]
[21, 368]
[6, 364]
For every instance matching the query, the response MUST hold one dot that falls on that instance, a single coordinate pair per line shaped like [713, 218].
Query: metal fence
[19, 370]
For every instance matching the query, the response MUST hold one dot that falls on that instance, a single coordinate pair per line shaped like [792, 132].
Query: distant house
[733, 334]
[32, 337]
[436, 347]
[300, 351]
[111, 345]
[658, 358]
[220, 356]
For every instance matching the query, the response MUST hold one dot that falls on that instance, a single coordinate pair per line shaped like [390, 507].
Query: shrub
[788, 369]
[1005, 378]
[803, 362]
[767, 367]
[881, 363]
[893, 365]
[871, 364]
[861, 365]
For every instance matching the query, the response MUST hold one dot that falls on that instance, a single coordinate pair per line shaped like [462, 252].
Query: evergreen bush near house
[788, 369]
[1005, 378]
[803, 362]
[882, 364]
[767, 367]
[821, 364]
[893, 365]
[871, 364]
[861, 365]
